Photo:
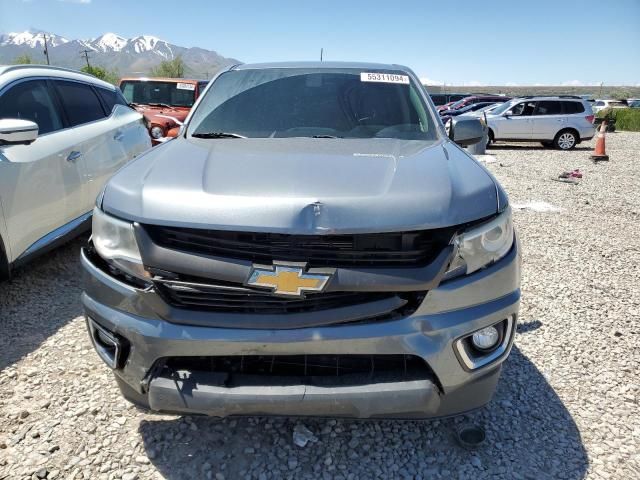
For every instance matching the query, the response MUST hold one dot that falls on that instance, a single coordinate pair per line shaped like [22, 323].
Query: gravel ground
[566, 407]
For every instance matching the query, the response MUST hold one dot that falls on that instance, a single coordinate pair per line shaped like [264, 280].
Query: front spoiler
[417, 398]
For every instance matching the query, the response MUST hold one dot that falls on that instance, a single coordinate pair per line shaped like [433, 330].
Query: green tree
[110, 76]
[24, 59]
[170, 68]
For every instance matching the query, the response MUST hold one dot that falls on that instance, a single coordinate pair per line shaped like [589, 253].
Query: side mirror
[14, 131]
[466, 131]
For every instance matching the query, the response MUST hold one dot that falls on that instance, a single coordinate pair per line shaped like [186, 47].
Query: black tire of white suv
[565, 140]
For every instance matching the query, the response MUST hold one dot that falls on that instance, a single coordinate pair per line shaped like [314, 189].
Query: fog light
[485, 339]
[107, 345]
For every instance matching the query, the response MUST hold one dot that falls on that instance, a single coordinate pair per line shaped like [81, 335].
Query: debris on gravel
[566, 406]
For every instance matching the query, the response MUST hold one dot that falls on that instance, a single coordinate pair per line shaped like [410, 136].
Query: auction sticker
[384, 77]
[185, 86]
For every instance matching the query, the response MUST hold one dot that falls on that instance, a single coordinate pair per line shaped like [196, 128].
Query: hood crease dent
[303, 185]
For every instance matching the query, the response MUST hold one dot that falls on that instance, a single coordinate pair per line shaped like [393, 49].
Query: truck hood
[303, 185]
[163, 115]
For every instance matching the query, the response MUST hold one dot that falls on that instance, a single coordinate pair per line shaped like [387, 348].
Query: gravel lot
[566, 407]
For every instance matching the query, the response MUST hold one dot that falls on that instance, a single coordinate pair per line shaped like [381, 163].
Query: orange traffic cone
[599, 152]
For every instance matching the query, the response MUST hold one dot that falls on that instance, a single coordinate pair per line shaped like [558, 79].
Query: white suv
[62, 135]
[560, 121]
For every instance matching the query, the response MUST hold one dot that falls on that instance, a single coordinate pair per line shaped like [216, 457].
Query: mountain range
[128, 56]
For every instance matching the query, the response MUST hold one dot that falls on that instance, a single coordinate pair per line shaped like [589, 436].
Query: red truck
[164, 102]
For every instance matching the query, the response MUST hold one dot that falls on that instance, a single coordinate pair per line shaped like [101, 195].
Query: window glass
[175, 94]
[599, 104]
[572, 107]
[111, 98]
[523, 109]
[287, 102]
[503, 108]
[31, 101]
[80, 102]
[549, 107]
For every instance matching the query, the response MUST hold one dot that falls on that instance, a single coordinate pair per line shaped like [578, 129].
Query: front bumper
[449, 312]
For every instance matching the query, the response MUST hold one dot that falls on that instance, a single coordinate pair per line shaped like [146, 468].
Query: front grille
[237, 299]
[321, 370]
[398, 249]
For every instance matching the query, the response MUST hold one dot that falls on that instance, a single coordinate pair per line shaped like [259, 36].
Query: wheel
[547, 144]
[490, 139]
[565, 140]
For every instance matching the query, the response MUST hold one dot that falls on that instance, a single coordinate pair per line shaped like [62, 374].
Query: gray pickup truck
[312, 243]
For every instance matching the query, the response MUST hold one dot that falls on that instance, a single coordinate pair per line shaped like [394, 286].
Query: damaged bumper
[417, 366]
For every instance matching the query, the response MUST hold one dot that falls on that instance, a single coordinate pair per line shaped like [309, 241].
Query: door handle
[118, 137]
[73, 156]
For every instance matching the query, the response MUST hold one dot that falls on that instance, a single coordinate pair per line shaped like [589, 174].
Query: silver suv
[561, 121]
[311, 244]
[62, 135]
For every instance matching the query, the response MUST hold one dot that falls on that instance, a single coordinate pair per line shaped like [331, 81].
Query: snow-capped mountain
[108, 42]
[129, 56]
[31, 38]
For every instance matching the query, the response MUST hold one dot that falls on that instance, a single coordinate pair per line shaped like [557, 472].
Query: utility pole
[85, 54]
[600, 94]
[321, 53]
[46, 49]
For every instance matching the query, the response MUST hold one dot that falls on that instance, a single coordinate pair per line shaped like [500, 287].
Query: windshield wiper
[159, 105]
[217, 135]
[324, 136]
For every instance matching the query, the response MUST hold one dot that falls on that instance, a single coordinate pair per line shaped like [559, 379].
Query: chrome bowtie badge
[288, 280]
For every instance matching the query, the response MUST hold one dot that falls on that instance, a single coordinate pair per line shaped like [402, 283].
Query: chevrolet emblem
[288, 280]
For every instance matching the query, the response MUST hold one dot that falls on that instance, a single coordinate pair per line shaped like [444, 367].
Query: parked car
[445, 115]
[326, 250]
[484, 110]
[164, 102]
[62, 135]
[476, 99]
[634, 104]
[447, 98]
[559, 121]
[602, 104]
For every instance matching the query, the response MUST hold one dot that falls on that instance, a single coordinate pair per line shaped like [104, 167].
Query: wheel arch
[569, 129]
[5, 270]
[575, 132]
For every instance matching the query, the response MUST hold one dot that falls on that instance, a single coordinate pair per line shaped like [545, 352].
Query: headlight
[115, 242]
[157, 132]
[482, 245]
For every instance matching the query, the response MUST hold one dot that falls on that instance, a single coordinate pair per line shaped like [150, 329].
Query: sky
[464, 42]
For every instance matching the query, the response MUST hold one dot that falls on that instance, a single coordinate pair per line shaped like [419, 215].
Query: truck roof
[162, 79]
[322, 65]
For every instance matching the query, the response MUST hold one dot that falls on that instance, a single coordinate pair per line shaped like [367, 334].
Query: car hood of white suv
[303, 185]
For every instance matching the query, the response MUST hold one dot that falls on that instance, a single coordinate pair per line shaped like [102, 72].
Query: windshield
[489, 108]
[174, 94]
[457, 104]
[306, 102]
[503, 108]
